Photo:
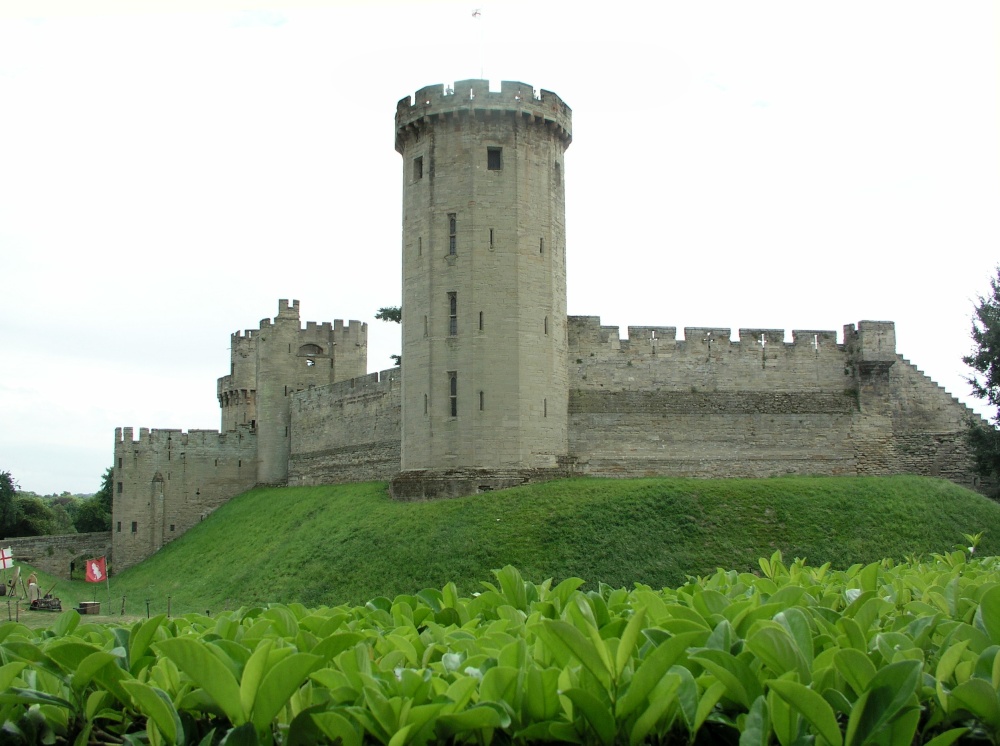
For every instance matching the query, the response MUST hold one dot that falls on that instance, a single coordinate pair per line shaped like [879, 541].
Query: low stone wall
[56, 554]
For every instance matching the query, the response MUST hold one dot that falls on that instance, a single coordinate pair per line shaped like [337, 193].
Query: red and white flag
[6, 559]
[96, 570]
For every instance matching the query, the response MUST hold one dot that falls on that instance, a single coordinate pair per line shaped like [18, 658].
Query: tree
[984, 439]
[395, 314]
[8, 504]
[390, 313]
[94, 513]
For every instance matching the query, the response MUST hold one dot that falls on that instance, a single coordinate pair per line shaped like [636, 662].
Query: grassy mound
[350, 543]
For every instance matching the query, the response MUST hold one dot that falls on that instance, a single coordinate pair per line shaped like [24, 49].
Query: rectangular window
[480, 321]
[119, 526]
[425, 325]
[420, 245]
[452, 233]
[482, 401]
[494, 159]
[119, 488]
[425, 403]
[119, 463]
[453, 392]
[545, 407]
[491, 238]
[171, 527]
[541, 245]
[418, 168]
[135, 527]
[453, 314]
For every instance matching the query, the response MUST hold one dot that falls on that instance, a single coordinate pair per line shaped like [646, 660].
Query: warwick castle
[499, 387]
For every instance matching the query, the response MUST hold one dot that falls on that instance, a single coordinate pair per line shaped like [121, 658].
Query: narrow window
[239, 464]
[558, 173]
[494, 159]
[135, 527]
[541, 245]
[171, 527]
[453, 392]
[452, 233]
[286, 431]
[418, 168]
[425, 325]
[119, 488]
[545, 407]
[491, 238]
[216, 462]
[119, 528]
[119, 463]
[480, 321]
[546, 324]
[482, 401]
[420, 245]
[425, 403]
[453, 314]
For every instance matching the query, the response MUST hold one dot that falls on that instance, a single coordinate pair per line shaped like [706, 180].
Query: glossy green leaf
[208, 672]
[757, 726]
[654, 667]
[156, 705]
[889, 691]
[596, 712]
[813, 708]
[567, 638]
[855, 667]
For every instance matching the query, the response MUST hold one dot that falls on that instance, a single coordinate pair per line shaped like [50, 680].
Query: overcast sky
[169, 170]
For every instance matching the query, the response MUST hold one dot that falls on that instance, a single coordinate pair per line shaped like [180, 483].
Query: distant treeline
[24, 513]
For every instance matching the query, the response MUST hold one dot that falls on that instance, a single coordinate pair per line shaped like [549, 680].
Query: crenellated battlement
[474, 97]
[178, 437]
[587, 331]
[382, 380]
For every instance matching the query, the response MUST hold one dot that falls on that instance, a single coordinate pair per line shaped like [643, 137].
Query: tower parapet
[474, 97]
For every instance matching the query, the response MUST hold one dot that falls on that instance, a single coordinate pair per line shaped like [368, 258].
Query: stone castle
[499, 387]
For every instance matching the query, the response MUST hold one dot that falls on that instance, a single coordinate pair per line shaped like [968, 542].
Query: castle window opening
[453, 392]
[171, 527]
[135, 527]
[418, 168]
[452, 233]
[118, 488]
[541, 245]
[420, 245]
[545, 407]
[425, 325]
[119, 529]
[558, 173]
[480, 321]
[546, 324]
[491, 238]
[494, 160]
[453, 314]
[425, 403]
[482, 401]
[119, 462]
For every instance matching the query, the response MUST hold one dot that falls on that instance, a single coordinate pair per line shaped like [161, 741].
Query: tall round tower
[484, 287]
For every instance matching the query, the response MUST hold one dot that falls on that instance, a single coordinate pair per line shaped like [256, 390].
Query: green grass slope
[350, 543]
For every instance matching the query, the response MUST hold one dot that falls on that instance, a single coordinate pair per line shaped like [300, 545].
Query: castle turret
[290, 359]
[484, 284]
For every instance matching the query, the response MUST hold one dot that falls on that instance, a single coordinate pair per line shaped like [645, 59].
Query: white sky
[169, 170]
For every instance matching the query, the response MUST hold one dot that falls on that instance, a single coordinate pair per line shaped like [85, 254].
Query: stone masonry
[500, 386]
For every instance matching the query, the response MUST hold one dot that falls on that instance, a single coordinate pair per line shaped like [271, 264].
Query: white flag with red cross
[6, 559]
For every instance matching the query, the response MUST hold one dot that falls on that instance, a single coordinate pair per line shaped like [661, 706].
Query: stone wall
[708, 406]
[166, 481]
[57, 554]
[347, 431]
